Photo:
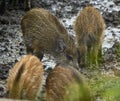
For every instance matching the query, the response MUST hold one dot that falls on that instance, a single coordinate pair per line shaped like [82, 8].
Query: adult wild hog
[64, 83]
[89, 26]
[44, 34]
[25, 78]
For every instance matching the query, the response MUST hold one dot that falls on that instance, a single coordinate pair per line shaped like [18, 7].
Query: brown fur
[25, 78]
[44, 34]
[89, 26]
[66, 84]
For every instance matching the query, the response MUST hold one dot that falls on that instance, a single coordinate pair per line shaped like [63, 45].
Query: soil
[12, 46]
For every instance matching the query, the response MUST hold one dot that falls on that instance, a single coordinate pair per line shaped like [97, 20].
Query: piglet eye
[69, 57]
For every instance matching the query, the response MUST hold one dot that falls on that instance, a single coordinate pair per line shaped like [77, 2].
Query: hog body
[64, 83]
[44, 34]
[89, 26]
[25, 78]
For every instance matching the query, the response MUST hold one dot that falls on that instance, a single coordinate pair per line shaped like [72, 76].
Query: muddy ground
[12, 47]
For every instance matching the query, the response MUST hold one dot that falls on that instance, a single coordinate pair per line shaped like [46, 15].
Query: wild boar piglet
[43, 34]
[25, 78]
[89, 26]
[65, 83]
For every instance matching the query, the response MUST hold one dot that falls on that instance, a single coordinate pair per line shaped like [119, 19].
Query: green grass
[105, 87]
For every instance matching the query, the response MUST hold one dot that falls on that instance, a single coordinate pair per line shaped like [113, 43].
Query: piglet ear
[61, 46]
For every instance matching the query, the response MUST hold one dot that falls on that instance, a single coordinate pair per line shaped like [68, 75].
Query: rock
[112, 17]
[4, 69]
[117, 2]
[2, 90]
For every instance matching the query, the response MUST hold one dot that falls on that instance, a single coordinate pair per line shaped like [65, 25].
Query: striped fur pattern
[25, 78]
[89, 26]
[64, 83]
[44, 34]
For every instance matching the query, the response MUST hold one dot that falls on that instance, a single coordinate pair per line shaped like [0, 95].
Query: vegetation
[105, 86]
